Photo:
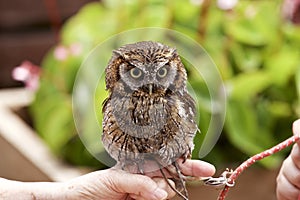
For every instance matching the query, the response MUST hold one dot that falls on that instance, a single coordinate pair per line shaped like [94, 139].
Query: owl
[149, 114]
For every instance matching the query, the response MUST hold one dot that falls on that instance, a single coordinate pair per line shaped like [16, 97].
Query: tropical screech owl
[149, 114]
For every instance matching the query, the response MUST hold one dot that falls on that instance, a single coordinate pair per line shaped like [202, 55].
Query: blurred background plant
[255, 47]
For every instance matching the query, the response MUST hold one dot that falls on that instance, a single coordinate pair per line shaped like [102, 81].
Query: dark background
[27, 31]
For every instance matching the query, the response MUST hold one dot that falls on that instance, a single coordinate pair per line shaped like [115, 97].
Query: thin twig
[54, 16]
[203, 20]
[254, 159]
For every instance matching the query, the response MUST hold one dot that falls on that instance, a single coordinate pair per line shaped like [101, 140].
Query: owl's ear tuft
[171, 52]
[120, 53]
[117, 53]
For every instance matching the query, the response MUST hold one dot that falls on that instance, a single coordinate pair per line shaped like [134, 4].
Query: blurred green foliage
[257, 53]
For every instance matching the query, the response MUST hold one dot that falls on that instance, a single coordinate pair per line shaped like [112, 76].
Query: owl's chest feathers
[151, 124]
[145, 111]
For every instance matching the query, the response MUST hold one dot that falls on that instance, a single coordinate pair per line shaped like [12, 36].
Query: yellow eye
[135, 72]
[162, 72]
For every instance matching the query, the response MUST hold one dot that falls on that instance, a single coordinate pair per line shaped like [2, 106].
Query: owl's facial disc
[148, 78]
[158, 79]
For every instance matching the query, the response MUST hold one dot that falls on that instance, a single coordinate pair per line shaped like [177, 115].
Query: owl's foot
[134, 167]
[178, 192]
[140, 167]
[181, 180]
[187, 155]
[174, 172]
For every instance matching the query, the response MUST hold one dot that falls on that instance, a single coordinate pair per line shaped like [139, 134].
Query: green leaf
[155, 16]
[246, 59]
[246, 32]
[245, 132]
[292, 33]
[247, 85]
[93, 24]
[279, 109]
[184, 12]
[252, 23]
[297, 80]
[282, 65]
[60, 127]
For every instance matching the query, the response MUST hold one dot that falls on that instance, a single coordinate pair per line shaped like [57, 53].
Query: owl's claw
[187, 155]
[140, 168]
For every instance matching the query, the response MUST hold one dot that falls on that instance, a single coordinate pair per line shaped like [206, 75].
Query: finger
[295, 156]
[285, 190]
[164, 185]
[135, 197]
[139, 185]
[291, 172]
[161, 184]
[196, 168]
[296, 129]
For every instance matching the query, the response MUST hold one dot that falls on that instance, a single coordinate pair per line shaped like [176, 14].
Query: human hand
[288, 179]
[116, 184]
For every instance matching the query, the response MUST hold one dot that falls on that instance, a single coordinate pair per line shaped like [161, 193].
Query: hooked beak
[150, 89]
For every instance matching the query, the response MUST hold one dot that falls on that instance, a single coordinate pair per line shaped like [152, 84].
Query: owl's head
[146, 66]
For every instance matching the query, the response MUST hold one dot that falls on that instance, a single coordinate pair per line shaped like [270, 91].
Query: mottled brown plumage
[149, 114]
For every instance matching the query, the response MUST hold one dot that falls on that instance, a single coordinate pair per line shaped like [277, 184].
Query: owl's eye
[135, 72]
[162, 72]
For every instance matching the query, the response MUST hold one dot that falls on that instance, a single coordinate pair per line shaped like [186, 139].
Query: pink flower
[291, 10]
[75, 49]
[226, 4]
[28, 73]
[63, 52]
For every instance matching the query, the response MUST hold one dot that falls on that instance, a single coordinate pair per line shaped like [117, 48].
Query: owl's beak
[150, 89]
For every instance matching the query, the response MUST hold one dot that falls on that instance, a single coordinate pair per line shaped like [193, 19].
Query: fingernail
[208, 165]
[208, 168]
[160, 194]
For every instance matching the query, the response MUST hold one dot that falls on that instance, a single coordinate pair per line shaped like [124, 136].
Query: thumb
[137, 185]
[296, 129]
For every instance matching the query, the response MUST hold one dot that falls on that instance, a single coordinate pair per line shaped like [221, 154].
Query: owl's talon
[123, 166]
[187, 155]
[140, 168]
